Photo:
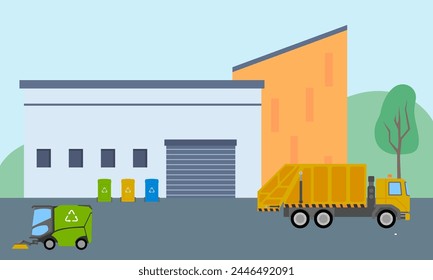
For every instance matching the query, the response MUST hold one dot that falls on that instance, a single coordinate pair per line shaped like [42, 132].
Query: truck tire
[386, 218]
[49, 244]
[300, 219]
[323, 218]
[81, 244]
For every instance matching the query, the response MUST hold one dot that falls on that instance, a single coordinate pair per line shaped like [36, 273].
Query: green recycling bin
[104, 190]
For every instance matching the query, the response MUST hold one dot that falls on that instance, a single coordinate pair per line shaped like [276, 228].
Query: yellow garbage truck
[324, 191]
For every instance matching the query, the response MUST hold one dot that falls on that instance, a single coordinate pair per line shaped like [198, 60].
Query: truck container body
[339, 184]
[323, 191]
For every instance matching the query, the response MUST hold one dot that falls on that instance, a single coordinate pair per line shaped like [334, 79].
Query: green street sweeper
[63, 225]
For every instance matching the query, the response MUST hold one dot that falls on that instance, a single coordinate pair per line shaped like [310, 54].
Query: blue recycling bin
[152, 190]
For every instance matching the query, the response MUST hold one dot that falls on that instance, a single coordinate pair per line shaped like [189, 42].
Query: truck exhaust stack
[371, 200]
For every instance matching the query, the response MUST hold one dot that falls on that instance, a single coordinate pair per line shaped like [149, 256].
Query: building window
[108, 158]
[140, 158]
[275, 115]
[328, 159]
[75, 157]
[309, 105]
[329, 68]
[43, 158]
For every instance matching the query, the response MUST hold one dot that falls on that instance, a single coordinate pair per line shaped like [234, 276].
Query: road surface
[219, 229]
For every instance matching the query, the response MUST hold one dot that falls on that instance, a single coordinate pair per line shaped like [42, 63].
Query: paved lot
[219, 229]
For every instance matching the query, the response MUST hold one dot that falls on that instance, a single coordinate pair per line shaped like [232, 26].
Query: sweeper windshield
[40, 215]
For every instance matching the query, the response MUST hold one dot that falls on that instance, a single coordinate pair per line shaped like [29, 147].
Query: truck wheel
[49, 244]
[81, 244]
[323, 219]
[300, 219]
[386, 218]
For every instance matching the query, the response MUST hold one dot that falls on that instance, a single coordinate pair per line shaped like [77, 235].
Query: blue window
[75, 158]
[140, 158]
[407, 190]
[41, 215]
[43, 158]
[394, 188]
[108, 158]
[40, 230]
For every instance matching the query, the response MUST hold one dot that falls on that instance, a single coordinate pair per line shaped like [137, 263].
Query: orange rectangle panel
[329, 65]
[128, 190]
[338, 182]
[321, 188]
[328, 159]
[358, 184]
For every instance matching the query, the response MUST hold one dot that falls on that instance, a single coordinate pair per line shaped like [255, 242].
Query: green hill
[12, 174]
[363, 111]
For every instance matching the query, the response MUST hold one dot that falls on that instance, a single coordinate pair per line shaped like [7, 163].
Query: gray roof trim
[138, 84]
[139, 104]
[210, 142]
[290, 48]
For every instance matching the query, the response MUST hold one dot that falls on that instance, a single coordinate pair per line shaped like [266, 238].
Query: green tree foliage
[396, 131]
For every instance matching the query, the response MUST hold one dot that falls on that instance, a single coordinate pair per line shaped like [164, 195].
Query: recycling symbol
[104, 190]
[128, 190]
[71, 217]
[151, 190]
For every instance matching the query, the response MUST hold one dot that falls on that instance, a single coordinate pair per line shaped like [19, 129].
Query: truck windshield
[41, 215]
[394, 188]
[407, 190]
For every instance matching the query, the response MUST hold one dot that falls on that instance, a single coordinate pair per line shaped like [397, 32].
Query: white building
[199, 138]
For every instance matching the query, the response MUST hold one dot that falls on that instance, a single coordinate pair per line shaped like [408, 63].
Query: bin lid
[151, 180]
[104, 180]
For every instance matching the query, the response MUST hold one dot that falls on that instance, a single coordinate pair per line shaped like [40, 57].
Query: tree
[396, 131]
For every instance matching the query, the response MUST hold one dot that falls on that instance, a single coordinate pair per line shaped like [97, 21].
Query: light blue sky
[390, 42]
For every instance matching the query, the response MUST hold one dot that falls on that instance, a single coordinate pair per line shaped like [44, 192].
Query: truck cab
[393, 193]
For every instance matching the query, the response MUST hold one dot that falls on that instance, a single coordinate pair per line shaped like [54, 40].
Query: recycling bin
[128, 190]
[152, 190]
[104, 190]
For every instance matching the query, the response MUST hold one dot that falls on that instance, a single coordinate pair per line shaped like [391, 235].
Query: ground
[218, 229]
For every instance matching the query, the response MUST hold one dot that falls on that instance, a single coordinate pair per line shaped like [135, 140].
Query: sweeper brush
[23, 245]
[19, 246]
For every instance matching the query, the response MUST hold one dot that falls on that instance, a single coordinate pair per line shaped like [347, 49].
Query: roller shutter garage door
[201, 168]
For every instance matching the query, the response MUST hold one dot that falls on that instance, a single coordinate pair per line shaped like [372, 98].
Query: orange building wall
[304, 104]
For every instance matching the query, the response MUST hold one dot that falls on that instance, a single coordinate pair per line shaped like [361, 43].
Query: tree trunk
[398, 165]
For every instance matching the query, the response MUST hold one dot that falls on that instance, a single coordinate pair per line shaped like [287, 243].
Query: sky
[389, 43]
